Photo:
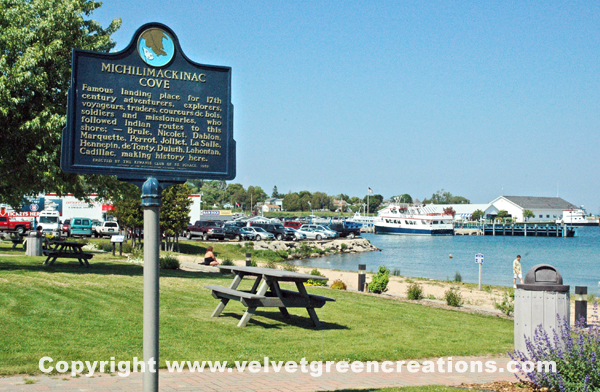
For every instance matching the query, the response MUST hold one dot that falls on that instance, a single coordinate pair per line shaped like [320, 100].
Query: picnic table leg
[250, 311]
[275, 287]
[219, 309]
[311, 311]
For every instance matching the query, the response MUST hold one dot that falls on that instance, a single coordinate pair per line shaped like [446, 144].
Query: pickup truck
[207, 230]
[107, 228]
[344, 230]
[7, 223]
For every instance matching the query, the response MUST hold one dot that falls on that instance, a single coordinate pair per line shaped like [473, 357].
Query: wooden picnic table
[66, 250]
[269, 294]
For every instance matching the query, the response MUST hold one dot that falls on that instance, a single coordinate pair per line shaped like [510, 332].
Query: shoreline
[475, 301]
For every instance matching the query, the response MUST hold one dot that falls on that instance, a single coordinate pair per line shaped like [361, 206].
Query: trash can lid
[543, 277]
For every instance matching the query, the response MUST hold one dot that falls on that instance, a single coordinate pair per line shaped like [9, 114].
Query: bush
[380, 280]
[271, 264]
[316, 282]
[457, 277]
[338, 285]
[290, 267]
[169, 262]
[453, 297]
[507, 306]
[575, 351]
[253, 263]
[414, 291]
[283, 254]
[227, 262]
[343, 246]
[249, 245]
[396, 272]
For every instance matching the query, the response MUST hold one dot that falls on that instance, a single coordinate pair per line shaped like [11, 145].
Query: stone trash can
[538, 301]
[34, 244]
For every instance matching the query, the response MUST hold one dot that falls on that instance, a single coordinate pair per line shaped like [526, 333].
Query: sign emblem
[155, 47]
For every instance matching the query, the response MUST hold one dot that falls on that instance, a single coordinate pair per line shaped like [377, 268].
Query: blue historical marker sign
[479, 258]
[149, 111]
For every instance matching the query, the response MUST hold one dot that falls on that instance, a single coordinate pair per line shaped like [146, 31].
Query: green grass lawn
[70, 312]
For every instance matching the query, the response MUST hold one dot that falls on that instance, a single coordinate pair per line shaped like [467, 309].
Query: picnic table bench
[16, 238]
[269, 294]
[66, 250]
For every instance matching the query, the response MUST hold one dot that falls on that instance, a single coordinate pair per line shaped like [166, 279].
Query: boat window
[406, 222]
[423, 222]
[540, 216]
[547, 216]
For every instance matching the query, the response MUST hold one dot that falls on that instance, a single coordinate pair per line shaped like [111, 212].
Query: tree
[174, 213]
[128, 210]
[477, 215]
[404, 198]
[502, 214]
[449, 211]
[36, 41]
[528, 214]
[374, 202]
[291, 202]
[441, 197]
[275, 193]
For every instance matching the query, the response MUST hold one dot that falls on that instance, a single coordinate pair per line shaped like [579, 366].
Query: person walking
[517, 271]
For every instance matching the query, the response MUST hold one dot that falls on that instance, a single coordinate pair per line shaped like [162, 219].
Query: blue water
[577, 259]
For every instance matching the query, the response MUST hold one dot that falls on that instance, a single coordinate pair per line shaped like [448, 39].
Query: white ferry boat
[412, 220]
[577, 217]
[360, 220]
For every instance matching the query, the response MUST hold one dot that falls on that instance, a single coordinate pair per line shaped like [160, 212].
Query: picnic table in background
[67, 250]
[266, 292]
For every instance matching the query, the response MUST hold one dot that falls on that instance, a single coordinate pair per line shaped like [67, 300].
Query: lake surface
[577, 259]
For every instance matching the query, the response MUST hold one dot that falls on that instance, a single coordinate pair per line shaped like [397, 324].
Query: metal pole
[361, 276]
[480, 269]
[581, 305]
[151, 201]
[248, 259]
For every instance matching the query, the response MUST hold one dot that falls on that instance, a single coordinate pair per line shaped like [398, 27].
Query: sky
[481, 99]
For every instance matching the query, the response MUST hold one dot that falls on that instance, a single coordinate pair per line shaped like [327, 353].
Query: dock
[518, 229]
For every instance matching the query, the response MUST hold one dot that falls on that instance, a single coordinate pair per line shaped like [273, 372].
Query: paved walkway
[232, 380]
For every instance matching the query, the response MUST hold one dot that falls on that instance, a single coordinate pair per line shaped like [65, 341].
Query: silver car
[260, 233]
[312, 234]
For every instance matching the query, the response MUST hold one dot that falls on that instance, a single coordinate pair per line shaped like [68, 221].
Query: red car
[65, 227]
[292, 224]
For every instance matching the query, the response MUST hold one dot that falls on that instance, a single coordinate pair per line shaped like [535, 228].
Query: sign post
[152, 117]
[479, 260]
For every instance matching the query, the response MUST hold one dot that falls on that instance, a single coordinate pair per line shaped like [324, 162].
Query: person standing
[517, 271]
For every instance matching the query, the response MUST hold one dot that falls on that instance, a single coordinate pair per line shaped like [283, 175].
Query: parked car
[327, 232]
[293, 224]
[81, 227]
[107, 228]
[65, 228]
[205, 229]
[311, 234]
[293, 235]
[237, 233]
[274, 228]
[345, 230]
[260, 233]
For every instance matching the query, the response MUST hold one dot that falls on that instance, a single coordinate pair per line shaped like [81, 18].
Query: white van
[50, 222]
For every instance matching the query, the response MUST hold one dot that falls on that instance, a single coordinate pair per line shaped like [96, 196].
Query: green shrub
[380, 280]
[431, 296]
[105, 245]
[507, 306]
[396, 272]
[271, 264]
[283, 254]
[316, 282]
[227, 261]
[453, 297]
[414, 292]
[169, 262]
[487, 288]
[457, 277]
[290, 267]
[249, 245]
[253, 263]
[338, 285]
[344, 246]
